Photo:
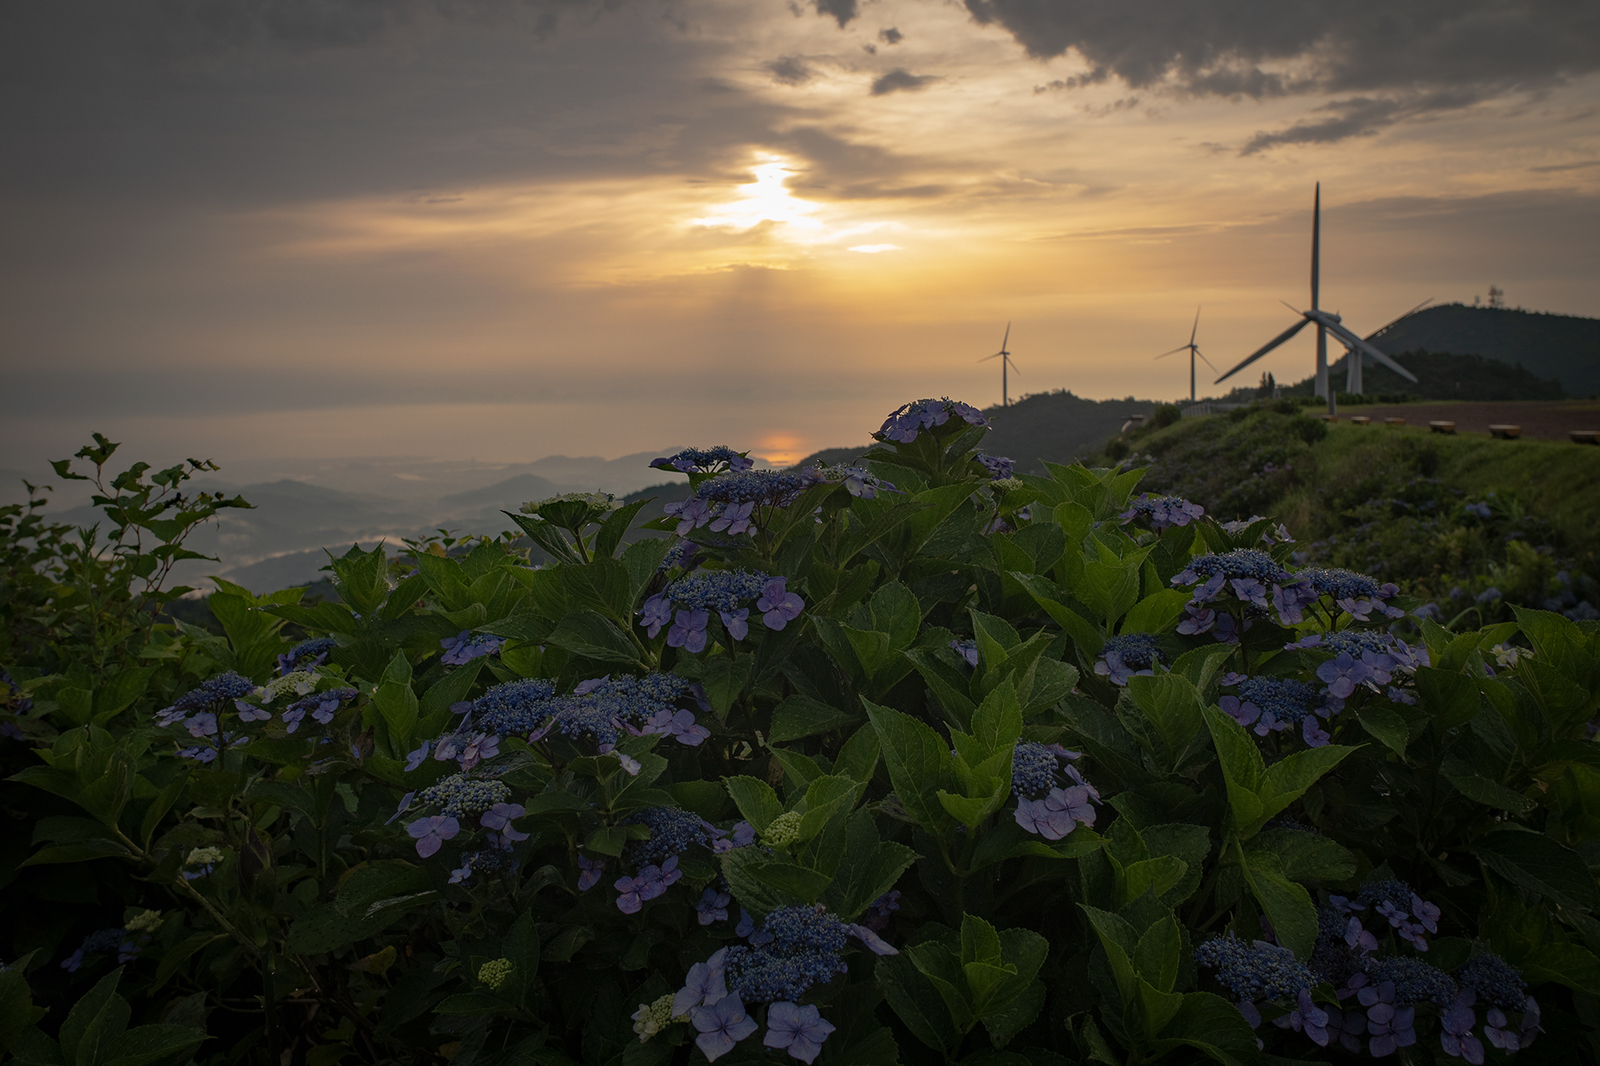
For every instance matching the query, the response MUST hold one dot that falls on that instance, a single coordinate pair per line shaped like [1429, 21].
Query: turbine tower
[1326, 323]
[1355, 361]
[1005, 361]
[1193, 349]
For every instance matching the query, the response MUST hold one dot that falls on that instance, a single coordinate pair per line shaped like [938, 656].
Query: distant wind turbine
[1326, 323]
[1005, 361]
[1193, 349]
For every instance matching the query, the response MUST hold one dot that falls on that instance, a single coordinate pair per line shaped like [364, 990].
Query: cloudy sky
[501, 229]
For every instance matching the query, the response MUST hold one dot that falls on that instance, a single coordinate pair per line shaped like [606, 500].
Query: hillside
[1395, 502]
[1564, 348]
[1445, 376]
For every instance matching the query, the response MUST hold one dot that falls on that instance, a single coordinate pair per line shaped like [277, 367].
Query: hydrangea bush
[921, 760]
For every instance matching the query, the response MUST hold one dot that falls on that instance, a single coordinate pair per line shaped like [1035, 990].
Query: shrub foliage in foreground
[914, 762]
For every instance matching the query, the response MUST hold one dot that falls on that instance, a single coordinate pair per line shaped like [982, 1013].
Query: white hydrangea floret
[651, 1018]
[143, 922]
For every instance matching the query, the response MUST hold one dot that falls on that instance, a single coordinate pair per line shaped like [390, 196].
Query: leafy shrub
[1165, 414]
[911, 761]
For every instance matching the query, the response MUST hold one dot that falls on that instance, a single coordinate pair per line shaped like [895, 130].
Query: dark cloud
[790, 70]
[841, 10]
[1359, 116]
[1398, 60]
[891, 36]
[901, 80]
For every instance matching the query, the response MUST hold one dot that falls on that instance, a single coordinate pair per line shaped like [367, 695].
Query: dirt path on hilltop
[1547, 420]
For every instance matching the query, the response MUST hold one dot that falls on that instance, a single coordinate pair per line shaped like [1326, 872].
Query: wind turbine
[1005, 361]
[1193, 349]
[1326, 323]
[1354, 361]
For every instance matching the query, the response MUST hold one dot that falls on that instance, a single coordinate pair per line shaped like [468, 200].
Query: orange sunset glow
[595, 229]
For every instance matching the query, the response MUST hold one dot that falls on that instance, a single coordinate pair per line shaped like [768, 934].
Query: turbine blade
[986, 358]
[1013, 363]
[1356, 344]
[1006, 338]
[1196, 327]
[1290, 306]
[1203, 358]
[1316, 243]
[1384, 329]
[1175, 351]
[1265, 348]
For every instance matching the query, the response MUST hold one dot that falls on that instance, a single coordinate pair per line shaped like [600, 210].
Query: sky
[501, 230]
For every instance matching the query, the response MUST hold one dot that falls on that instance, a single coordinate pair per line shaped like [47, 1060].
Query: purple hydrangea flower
[799, 1030]
[656, 612]
[737, 623]
[483, 746]
[1455, 1026]
[589, 871]
[706, 984]
[203, 724]
[873, 942]
[778, 605]
[712, 906]
[251, 713]
[431, 832]
[1058, 813]
[413, 758]
[499, 818]
[688, 631]
[405, 803]
[721, 1026]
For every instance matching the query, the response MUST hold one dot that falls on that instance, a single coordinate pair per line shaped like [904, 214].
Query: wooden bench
[1394, 421]
[1442, 427]
[1584, 436]
[1505, 432]
[1359, 420]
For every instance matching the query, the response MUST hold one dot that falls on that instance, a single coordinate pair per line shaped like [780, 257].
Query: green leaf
[1120, 941]
[396, 701]
[1306, 856]
[723, 680]
[1491, 793]
[1386, 727]
[916, 1002]
[858, 759]
[146, 1045]
[801, 716]
[593, 636]
[95, 1021]
[1156, 613]
[1286, 904]
[1539, 864]
[745, 868]
[1242, 767]
[756, 800]
[1172, 705]
[1287, 780]
[1155, 957]
[1451, 698]
[868, 869]
[1159, 875]
[827, 797]
[1212, 1026]
[919, 763]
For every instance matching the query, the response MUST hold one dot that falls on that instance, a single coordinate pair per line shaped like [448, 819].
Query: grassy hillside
[1445, 376]
[1436, 514]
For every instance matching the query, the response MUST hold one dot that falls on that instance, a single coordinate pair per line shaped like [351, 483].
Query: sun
[766, 199]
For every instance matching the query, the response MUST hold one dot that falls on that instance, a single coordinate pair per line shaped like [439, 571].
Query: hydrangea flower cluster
[205, 700]
[1362, 658]
[857, 480]
[322, 706]
[1052, 797]
[126, 942]
[1126, 656]
[1387, 990]
[903, 425]
[457, 798]
[685, 607]
[600, 709]
[1249, 574]
[1356, 594]
[673, 831]
[704, 461]
[1162, 512]
[467, 646]
[998, 467]
[1275, 704]
[306, 655]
